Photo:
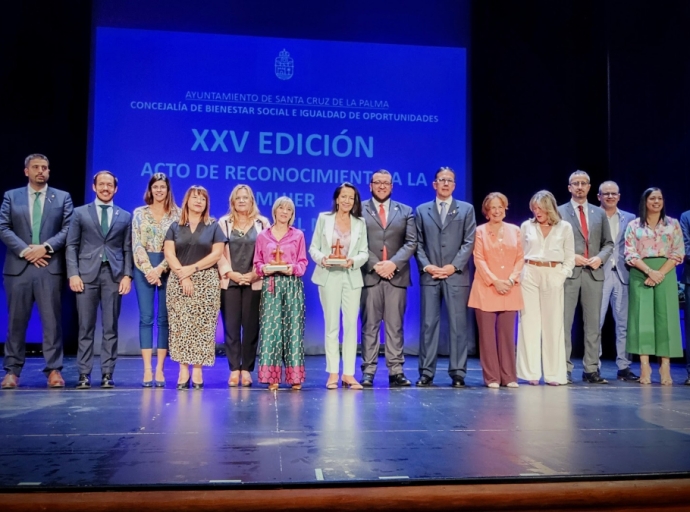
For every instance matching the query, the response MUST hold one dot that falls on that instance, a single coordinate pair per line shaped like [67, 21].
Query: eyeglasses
[579, 183]
[609, 194]
[384, 183]
[445, 180]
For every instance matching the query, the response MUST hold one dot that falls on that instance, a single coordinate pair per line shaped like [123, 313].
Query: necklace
[242, 230]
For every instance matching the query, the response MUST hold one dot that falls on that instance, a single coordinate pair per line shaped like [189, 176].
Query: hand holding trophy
[336, 258]
[277, 264]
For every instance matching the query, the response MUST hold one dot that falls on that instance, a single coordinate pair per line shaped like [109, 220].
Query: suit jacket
[600, 241]
[320, 248]
[618, 255]
[685, 227]
[399, 237]
[451, 243]
[15, 228]
[86, 244]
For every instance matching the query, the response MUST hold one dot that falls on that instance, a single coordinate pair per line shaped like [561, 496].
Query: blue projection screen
[285, 116]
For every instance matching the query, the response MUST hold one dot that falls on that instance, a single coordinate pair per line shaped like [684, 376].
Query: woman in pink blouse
[496, 294]
[281, 331]
[653, 248]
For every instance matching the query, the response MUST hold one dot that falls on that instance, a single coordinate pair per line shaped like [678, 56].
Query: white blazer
[225, 262]
[322, 241]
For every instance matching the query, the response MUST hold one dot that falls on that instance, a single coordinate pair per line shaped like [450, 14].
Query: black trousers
[239, 306]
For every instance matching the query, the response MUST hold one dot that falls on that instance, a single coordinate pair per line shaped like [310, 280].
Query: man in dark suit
[99, 266]
[685, 279]
[392, 237]
[616, 276]
[445, 239]
[33, 225]
[593, 247]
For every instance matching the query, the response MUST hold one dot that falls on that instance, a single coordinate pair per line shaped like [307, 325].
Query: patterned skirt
[193, 320]
[282, 330]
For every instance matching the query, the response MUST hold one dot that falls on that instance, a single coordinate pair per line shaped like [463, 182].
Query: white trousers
[541, 337]
[337, 296]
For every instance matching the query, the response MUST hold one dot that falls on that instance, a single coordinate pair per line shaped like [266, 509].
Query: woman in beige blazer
[340, 287]
[241, 285]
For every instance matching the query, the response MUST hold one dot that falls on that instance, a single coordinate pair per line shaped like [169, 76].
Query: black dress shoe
[84, 381]
[628, 375]
[107, 381]
[458, 382]
[593, 378]
[424, 381]
[687, 381]
[367, 380]
[398, 381]
[569, 378]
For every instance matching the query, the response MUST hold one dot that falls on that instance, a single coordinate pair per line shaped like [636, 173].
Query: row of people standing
[379, 238]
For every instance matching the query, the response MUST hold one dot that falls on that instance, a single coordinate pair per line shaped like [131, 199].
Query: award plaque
[337, 258]
[277, 264]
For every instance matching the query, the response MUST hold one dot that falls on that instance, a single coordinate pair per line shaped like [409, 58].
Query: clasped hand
[385, 269]
[443, 272]
[654, 278]
[37, 255]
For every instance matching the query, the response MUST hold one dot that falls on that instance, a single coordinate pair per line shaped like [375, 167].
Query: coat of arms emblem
[285, 65]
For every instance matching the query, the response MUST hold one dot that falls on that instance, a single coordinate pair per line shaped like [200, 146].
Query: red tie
[585, 231]
[382, 216]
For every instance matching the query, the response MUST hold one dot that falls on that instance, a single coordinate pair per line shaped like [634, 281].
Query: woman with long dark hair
[340, 287]
[150, 224]
[653, 248]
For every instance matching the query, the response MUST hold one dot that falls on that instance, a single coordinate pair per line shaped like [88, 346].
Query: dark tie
[104, 224]
[36, 220]
[585, 231]
[382, 216]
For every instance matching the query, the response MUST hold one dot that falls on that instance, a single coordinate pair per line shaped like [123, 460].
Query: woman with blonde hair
[240, 294]
[549, 252]
[193, 247]
[281, 321]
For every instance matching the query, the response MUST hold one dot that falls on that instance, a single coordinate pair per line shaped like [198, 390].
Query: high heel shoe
[197, 385]
[665, 373]
[246, 379]
[273, 387]
[159, 383]
[184, 385]
[234, 379]
[147, 383]
[296, 387]
[332, 383]
[352, 385]
[645, 373]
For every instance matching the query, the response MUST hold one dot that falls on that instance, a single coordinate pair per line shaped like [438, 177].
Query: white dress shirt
[386, 207]
[32, 198]
[109, 211]
[449, 203]
[558, 245]
[585, 207]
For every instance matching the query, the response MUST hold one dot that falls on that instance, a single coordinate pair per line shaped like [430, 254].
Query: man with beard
[33, 225]
[392, 237]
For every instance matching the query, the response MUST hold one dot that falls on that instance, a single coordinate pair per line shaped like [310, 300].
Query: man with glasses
[445, 239]
[33, 225]
[392, 237]
[593, 247]
[616, 276]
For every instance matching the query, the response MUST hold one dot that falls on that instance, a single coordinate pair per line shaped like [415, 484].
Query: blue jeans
[146, 294]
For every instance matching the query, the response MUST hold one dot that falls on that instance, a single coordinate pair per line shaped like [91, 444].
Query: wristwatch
[196, 268]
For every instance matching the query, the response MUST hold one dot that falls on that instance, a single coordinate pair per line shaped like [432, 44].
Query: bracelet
[512, 283]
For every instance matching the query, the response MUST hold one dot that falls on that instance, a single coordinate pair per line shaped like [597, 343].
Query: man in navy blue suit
[33, 225]
[685, 279]
[445, 239]
[99, 267]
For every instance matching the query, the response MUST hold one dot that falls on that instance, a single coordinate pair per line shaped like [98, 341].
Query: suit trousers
[456, 298]
[337, 296]
[104, 291]
[541, 337]
[616, 294]
[588, 292]
[39, 286]
[146, 296]
[497, 345]
[686, 315]
[239, 307]
[386, 303]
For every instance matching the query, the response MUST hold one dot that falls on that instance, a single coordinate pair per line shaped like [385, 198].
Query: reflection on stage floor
[146, 436]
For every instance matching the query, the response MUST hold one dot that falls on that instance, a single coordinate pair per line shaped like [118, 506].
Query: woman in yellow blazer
[340, 287]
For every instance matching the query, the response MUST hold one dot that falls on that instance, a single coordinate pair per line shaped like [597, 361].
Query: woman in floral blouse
[150, 223]
[653, 248]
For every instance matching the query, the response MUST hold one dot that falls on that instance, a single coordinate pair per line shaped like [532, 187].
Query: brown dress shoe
[55, 380]
[11, 381]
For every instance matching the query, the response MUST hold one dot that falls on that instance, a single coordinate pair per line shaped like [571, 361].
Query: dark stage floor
[136, 436]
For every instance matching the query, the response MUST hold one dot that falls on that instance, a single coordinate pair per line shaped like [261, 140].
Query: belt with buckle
[551, 264]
